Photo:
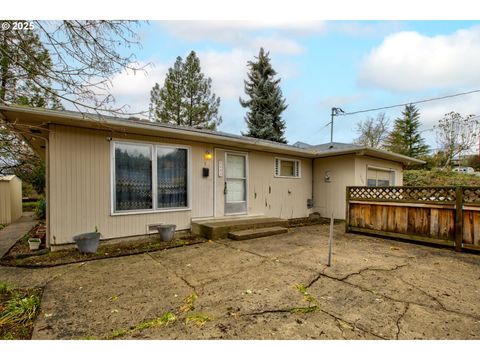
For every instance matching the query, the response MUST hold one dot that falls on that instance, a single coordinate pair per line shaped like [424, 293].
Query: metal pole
[331, 127]
[330, 242]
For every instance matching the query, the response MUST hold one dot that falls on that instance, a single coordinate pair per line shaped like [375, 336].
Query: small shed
[10, 199]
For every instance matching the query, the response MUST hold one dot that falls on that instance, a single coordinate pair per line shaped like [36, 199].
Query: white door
[235, 189]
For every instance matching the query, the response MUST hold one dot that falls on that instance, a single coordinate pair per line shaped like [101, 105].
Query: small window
[287, 168]
[379, 177]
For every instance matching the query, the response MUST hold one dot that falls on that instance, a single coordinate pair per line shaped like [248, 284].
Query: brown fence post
[458, 218]
[347, 210]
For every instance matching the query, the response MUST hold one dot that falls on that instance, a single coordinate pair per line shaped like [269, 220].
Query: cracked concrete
[375, 289]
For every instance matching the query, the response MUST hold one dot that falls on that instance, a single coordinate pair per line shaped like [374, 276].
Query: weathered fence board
[446, 215]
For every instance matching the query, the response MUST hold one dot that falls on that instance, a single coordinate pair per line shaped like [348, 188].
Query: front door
[235, 189]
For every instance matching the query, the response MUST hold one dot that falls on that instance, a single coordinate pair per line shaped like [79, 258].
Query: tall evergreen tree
[405, 137]
[186, 97]
[265, 103]
[166, 103]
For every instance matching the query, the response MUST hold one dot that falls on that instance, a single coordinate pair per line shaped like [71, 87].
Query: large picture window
[149, 177]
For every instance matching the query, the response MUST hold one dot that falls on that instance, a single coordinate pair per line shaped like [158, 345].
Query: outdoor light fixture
[207, 155]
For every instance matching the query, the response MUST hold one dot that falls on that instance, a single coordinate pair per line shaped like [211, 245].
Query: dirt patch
[18, 311]
[20, 254]
[306, 221]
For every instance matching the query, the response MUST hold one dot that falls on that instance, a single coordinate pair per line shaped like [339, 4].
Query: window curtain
[171, 178]
[133, 177]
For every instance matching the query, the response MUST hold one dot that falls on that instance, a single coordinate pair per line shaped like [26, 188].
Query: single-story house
[10, 199]
[126, 176]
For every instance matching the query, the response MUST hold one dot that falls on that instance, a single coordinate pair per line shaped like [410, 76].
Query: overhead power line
[409, 103]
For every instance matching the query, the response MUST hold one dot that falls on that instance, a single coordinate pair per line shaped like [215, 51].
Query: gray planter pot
[167, 232]
[87, 242]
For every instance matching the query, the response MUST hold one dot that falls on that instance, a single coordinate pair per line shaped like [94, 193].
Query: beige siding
[363, 162]
[10, 200]
[268, 195]
[16, 198]
[330, 196]
[80, 190]
[5, 203]
[345, 170]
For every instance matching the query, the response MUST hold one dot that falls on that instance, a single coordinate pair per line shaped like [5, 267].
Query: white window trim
[153, 146]
[296, 162]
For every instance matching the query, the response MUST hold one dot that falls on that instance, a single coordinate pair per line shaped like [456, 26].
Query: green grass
[304, 310]
[164, 320]
[2, 226]
[198, 319]
[188, 303]
[5, 288]
[18, 310]
[30, 205]
[313, 304]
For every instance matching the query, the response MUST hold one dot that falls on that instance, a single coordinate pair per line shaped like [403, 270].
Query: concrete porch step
[219, 228]
[256, 233]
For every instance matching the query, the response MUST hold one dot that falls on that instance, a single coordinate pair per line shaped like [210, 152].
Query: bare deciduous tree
[373, 132]
[83, 56]
[456, 134]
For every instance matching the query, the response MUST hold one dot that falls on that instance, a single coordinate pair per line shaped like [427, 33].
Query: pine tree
[266, 102]
[405, 137]
[186, 97]
[166, 103]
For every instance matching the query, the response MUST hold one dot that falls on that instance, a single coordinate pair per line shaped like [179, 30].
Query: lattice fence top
[471, 195]
[404, 194]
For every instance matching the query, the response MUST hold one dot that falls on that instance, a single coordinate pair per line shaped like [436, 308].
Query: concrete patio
[376, 289]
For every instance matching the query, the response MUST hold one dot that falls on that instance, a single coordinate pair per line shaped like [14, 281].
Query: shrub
[41, 211]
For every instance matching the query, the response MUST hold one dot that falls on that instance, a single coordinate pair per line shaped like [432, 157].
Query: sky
[353, 65]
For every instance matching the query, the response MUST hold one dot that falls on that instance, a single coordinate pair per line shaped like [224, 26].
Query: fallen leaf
[114, 311]
[394, 248]
[112, 298]
[248, 291]
[48, 315]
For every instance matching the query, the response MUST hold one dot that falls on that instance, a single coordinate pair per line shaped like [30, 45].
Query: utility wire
[409, 103]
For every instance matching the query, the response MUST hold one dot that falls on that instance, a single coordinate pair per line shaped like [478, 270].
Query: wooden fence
[442, 215]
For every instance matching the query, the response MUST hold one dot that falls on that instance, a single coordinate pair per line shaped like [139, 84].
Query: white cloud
[275, 36]
[133, 88]
[227, 70]
[232, 31]
[409, 61]
[276, 45]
